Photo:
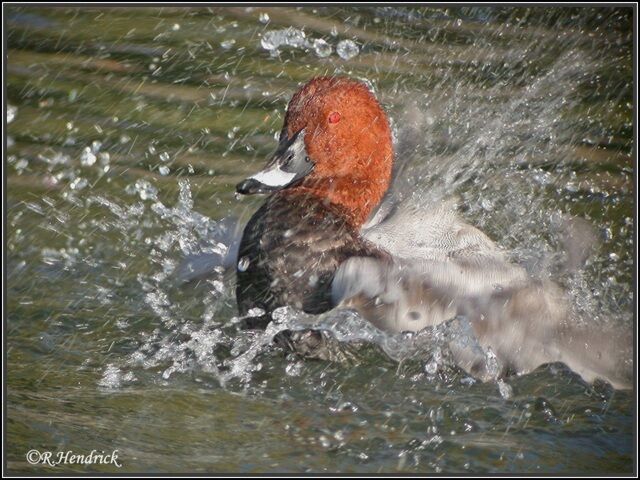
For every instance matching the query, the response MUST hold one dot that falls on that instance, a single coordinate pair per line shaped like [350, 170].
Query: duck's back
[290, 251]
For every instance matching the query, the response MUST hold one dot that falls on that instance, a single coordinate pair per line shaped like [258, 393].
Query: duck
[325, 238]
[318, 200]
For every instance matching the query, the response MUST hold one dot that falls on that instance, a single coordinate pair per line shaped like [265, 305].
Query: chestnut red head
[335, 144]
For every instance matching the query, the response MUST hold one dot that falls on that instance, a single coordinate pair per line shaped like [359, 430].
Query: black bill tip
[251, 186]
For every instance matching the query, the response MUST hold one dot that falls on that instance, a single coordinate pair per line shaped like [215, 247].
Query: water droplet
[268, 41]
[505, 389]
[243, 264]
[322, 48]
[294, 369]
[324, 441]
[227, 44]
[264, 17]
[218, 286]
[255, 312]
[176, 27]
[146, 190]
[79, 183]
[347, 49]
[232, 133]
[22, 164]
[571, 187]
[11, 113]
[492, 362]
[164, 156]
[111, 378]
[345, 407]
[87, 158]
[164, 170]
[431, 368]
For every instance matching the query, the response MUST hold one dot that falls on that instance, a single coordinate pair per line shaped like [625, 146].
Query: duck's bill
[289, 165]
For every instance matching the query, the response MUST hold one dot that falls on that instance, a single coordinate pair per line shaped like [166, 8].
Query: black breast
[289, 253]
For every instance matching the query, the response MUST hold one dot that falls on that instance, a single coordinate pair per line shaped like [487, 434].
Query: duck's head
[335, 145]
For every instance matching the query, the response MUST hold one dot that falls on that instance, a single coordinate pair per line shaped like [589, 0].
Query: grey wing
[443, 268]
[436, 246]
[523, 325]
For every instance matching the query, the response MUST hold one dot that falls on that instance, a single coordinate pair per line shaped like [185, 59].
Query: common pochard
[308, 247]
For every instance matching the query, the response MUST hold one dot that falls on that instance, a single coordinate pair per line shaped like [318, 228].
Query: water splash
[525, 128]
[503, 171]
[287, 37]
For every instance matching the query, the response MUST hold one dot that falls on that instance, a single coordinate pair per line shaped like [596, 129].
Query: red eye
[334, 117]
